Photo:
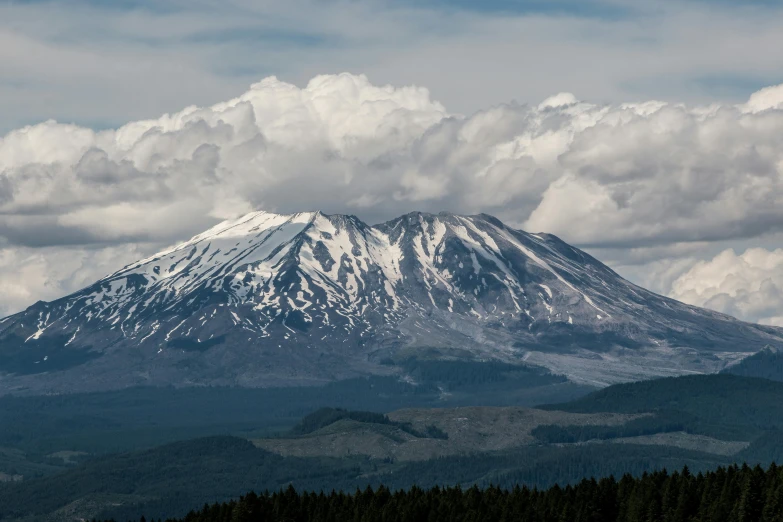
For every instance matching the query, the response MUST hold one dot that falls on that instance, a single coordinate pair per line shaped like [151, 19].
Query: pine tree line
[730, 494]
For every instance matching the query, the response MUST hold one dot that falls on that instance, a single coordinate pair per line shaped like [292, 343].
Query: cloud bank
[637, 175]
[105, 63]
[746, 285]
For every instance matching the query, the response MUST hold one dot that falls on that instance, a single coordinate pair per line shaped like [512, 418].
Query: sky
[648, 133]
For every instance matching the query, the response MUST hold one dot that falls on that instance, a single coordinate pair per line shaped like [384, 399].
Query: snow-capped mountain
[272, 299]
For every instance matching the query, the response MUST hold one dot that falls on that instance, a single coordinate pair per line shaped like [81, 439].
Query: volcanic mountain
[271, 300]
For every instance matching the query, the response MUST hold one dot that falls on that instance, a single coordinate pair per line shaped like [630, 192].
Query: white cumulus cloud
[28, 275]
[749, 285]
[637, 175]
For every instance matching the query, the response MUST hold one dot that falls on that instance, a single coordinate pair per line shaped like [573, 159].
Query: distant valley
[701, 422]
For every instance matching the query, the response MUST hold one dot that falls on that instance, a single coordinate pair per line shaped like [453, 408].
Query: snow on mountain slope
[271, 299]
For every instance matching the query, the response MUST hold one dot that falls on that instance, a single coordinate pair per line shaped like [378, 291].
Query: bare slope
[471, 431]
[268, 300]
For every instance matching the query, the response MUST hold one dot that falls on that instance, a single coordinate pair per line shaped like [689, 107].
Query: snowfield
[271, 299]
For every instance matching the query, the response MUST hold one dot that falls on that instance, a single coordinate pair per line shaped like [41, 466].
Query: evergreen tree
[751, 501]
[726, 495]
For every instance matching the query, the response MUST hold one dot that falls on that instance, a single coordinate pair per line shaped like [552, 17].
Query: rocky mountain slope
[300, 299]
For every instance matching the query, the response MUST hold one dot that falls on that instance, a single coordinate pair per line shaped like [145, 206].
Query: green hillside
[767, 364]
[724, 406]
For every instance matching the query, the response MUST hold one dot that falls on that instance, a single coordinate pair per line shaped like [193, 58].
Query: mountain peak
[269, 299]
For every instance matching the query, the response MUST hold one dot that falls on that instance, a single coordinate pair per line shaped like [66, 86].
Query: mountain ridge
[289, 299]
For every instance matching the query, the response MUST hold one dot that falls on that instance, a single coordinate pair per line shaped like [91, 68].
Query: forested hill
[767, 364]
[721, 398]
[725, 406]
[730, 494]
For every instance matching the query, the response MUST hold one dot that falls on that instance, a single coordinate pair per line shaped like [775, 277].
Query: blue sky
[103, 62]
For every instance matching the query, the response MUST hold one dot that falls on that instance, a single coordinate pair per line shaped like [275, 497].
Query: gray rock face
[270, 300]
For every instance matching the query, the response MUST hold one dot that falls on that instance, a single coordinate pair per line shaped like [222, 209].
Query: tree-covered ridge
[731, 494]
[767, 364]
[327, 416]
[659, 422]
[725, 406]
